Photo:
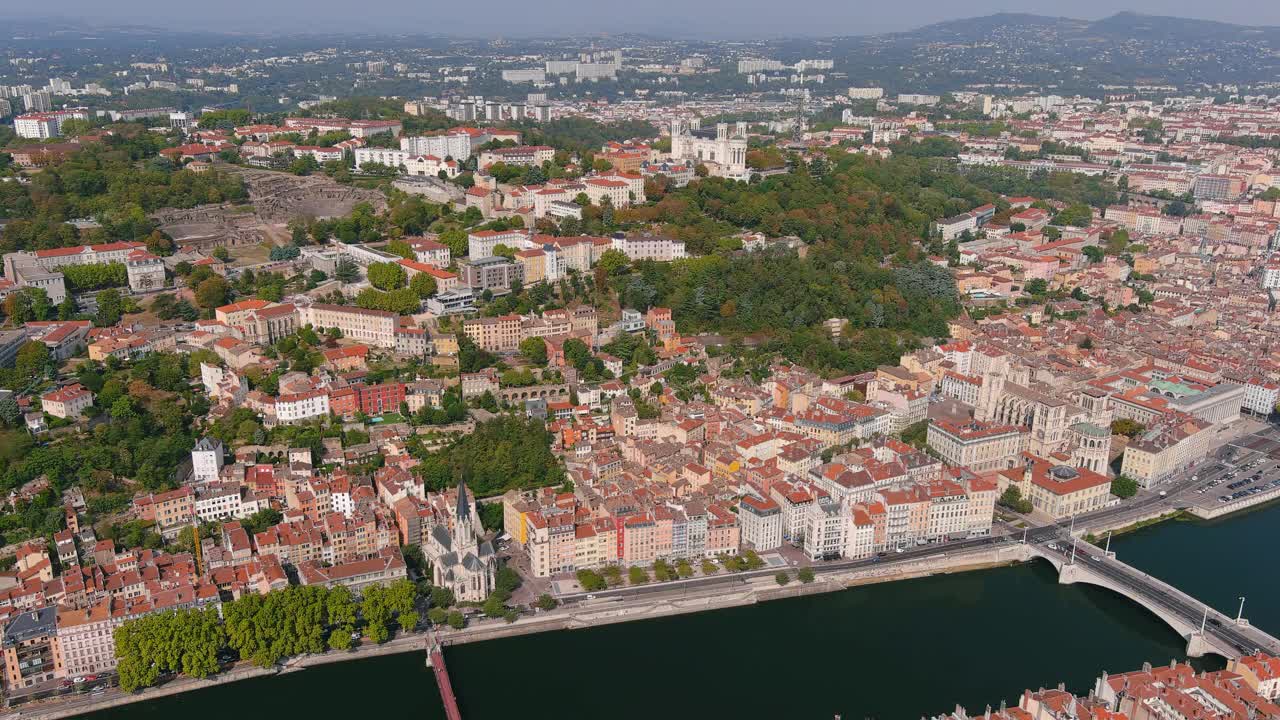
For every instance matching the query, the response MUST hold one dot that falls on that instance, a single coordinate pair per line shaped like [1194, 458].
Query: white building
[647, 247]
[297, 407]
[67, 402]
[480, 244]
[145, 271]
[381, 156]
[45, 125]
[916, 99]
[217, 502]
[525, 75]
[722, 150]
[866, 93]
[825, 530]
[452, 145]
[761, 522]
[207, 458]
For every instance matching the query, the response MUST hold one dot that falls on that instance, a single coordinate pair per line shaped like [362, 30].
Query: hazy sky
[684, 18]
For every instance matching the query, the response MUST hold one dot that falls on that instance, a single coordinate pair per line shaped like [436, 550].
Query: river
[896, 650]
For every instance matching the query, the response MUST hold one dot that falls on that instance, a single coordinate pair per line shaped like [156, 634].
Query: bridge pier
[1067, 574]
[1198, 646]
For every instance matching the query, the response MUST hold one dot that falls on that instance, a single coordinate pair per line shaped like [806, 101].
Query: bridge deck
[446, 688]
[1186, 614]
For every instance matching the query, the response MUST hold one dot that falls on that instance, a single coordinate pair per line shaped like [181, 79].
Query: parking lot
[1247, 467]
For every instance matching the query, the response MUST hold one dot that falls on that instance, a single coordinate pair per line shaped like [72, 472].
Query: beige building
[1175, 441]
[85, 637]
[373, 327]
[495, 334]
[1062, 491]
[979, 446]
[67, 402]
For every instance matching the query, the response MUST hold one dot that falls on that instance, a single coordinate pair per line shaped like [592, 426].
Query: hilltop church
[722, 150]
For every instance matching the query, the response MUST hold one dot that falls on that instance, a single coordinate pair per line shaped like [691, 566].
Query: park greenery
[151, 406]
[262, 629]
[115, 181]
[502, 454]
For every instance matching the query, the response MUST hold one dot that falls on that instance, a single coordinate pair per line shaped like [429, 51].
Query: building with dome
[722, 149]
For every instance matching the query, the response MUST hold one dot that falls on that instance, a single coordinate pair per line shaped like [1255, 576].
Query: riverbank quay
[664, 600]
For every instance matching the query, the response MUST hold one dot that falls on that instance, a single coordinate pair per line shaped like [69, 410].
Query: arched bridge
[1205, 629]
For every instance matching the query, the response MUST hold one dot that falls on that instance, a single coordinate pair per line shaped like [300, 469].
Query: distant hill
[1065, 55]
[1122, 25]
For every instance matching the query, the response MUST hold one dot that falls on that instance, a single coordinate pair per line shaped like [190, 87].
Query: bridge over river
[1205, 629]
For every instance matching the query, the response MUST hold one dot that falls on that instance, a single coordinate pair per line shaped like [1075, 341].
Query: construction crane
[195, 543]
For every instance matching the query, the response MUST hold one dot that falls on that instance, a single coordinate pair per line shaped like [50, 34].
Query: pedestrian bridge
[1205, 629]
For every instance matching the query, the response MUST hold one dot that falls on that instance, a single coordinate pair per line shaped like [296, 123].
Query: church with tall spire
[461, 559]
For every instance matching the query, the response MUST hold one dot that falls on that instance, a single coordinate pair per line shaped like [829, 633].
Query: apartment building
[373, 327]
[761, 521]
[495, 334]
[977, 445]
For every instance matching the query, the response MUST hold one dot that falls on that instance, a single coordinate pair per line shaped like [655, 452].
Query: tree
[1094, 253]
[438, 616]
[1036, 286]
[1075, 215]
[10, 413]
[637, 575]
[33, 361]
[613, 262]
[423, 285]
[1012, 499]
[591, 581]
[782, 578]
[401, 248]
[456, 620]
[456, 240]
[110, 308]
[183, 641]
[546, 602]
[346, 271]
[805, 575]
[212, 293]
[442, 597]
[1127, 427]
[1124, 487]
[386, 275]
[501, 454]
[408, 621]
[494, 605]
[534, 350]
